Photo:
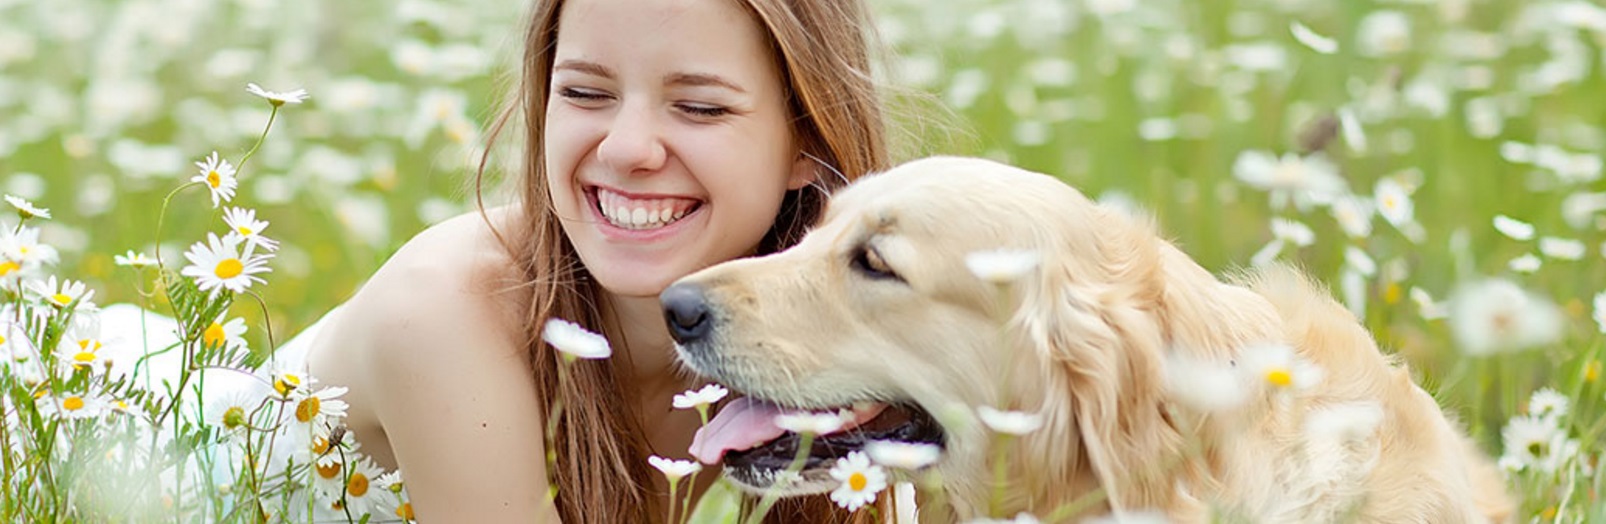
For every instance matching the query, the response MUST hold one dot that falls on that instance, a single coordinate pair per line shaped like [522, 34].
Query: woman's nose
[633, 142]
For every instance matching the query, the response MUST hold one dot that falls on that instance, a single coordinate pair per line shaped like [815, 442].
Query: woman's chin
[633, 283]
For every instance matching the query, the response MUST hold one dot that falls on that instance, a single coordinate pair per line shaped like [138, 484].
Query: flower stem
[773, 494]
[240, 169]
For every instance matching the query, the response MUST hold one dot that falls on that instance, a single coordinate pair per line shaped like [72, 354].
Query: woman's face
[668, 143]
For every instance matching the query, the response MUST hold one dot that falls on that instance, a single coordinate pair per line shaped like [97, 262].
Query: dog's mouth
[756, 452]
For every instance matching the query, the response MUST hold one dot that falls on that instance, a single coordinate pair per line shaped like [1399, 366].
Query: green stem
[773, 494]
[263, 137]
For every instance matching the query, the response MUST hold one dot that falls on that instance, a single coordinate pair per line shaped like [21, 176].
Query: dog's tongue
[745, 423]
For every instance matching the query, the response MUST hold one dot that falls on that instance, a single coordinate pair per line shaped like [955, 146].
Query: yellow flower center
[2, 339]
[320, 446]
[61, 298]
[234, 417]
[358, 485]
[1538, 449]
[229, 268]
[286, 383]
[213, 178]
[122, 405]
[307, 409]
[405, 511]
[83, 357]
[8, 266]
[1392, 293]
[213, 336]
[858, 481]
[1391, 202]
[330, 471]
[1279, 377]
[244, 231]
[73, 403]
[1592, 371]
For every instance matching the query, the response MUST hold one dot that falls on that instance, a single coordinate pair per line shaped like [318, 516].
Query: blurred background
[1373, 142]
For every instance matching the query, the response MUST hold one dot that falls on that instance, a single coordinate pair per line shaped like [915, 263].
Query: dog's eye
[869, 262]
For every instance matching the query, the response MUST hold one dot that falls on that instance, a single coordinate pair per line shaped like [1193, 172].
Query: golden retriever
[876, 309]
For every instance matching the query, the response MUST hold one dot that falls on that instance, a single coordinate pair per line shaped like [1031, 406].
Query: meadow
[1438, 163]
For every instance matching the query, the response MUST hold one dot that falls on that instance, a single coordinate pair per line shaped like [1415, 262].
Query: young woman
[661, 137]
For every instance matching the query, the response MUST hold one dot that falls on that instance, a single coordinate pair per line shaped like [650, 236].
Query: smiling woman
[662, 137]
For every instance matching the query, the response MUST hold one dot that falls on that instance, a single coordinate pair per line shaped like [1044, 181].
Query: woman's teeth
[628, 213]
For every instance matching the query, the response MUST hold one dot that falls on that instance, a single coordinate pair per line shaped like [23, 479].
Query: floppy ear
[1092, 316]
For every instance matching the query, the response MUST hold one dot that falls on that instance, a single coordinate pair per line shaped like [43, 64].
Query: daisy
[277, 98]
[1548, 404]
[359, 495]
[1010, 422]
[72, 406]
[133, 259]
[81, 353]
[1431, 309]
[23, 250]
[1393, 202]
[320, 409]
[1527, 263]
[64, 293]
[1315, 42]
[701, 398]
[1003, 265]
[224, 334]
[1561, 248]
[243, 222]
[1278, 367]
[575, 341]
[674, 470]
[26, 209]
[218, 175]
[288, 378]
[1205, 386]
[903, 455]
[1537, 444]
[1308, 180]
[1494, 315]
[1283, 233]
[1600, 311]
[218, 264]
[1354, 215]
[860, 479]
[1511, 227]
[232, 412]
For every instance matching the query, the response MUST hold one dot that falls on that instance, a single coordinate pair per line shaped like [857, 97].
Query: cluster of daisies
[268, 440]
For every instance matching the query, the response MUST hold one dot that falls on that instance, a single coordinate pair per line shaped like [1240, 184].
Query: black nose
[686, 312]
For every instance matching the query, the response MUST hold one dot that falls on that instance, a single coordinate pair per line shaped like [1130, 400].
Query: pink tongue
[745, 423]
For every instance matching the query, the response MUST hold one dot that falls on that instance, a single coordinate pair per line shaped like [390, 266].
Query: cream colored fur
[1085, 340]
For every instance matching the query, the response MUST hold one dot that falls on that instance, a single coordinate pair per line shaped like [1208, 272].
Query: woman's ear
[804, 172]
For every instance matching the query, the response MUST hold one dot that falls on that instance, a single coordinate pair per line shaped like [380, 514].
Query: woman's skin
[673, 107]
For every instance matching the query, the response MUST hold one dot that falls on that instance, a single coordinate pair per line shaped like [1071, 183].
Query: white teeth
[626, 213]
[639, 217]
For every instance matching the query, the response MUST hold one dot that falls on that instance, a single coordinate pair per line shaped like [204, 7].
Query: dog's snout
[686, 312]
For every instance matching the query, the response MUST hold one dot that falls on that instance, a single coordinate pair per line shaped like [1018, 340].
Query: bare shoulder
[432, 350]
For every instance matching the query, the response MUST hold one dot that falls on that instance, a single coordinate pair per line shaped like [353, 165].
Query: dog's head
[877, 310]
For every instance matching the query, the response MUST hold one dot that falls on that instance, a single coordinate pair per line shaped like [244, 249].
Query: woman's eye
[581, 95]
[703, 110]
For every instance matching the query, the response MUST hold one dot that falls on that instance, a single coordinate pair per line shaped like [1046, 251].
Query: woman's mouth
[641, 213]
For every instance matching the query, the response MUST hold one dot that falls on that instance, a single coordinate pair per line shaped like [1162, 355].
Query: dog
[876, 313]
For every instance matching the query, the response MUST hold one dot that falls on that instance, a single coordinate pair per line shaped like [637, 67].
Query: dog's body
[877, 305]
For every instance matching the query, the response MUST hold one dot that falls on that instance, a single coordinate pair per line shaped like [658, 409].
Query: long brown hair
[598, 456]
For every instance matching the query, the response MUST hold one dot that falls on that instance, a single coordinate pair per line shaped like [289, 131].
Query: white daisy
[23, 250]
[1357, 259]
[77, 353]
[64, 293]
[1002, 265]
[218, 264]
[1354, 215]
[221, 333]
[1393, 202]
[319, 409]
[1511, 227]
[709, 394]
[1527, 263]
[1205, 386]
[243, 222]
[1549, 405]
[1537, 444]
[232, 412]
[218, 175]
[1561, 248]
[674, 470]
[1292, 232]
[133, 259]
[288, 378]
[276, 98]
[1278, 367]
[1308, 180]
[26, 209]
[72, 406]
[1495, 315]
[1315, 42]
[860, 479]
[360, 495]
[903, 455]
[1009, 422]
[574, 340]
[1429, 308]
[1600, 311]
[806, 422]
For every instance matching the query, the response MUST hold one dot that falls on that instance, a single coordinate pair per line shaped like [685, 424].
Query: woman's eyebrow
[585, 66]
[702, 79]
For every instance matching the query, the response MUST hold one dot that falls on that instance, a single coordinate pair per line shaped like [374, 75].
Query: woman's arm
[438, 355]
